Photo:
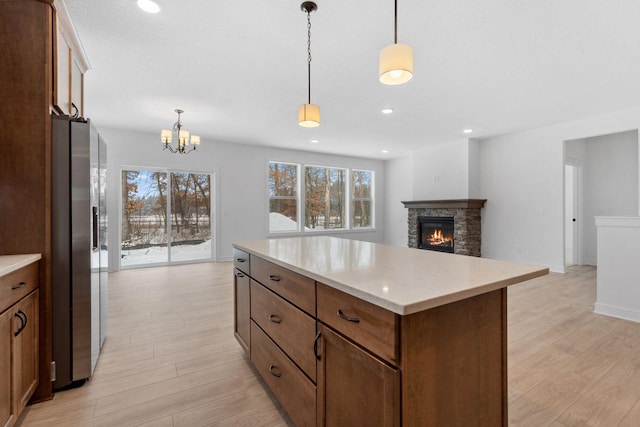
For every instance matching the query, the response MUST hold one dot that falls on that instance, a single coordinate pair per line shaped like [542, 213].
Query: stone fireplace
[427, 232]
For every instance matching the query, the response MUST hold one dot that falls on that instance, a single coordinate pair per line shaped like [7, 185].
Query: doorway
[571, 215]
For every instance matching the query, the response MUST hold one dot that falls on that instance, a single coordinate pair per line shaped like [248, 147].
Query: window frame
[346, 213]
[370, 199]
[296, 198]
[301, 229]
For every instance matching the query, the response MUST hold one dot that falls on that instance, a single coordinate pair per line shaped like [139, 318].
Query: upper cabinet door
[62, 74]
[70, 64]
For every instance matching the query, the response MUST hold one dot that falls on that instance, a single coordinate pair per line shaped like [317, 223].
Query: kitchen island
[346, 332]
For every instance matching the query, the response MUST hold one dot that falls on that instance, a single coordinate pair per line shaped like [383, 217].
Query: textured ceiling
[238, 69]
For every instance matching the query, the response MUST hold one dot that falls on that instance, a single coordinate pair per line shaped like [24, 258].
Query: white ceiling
[238, 68]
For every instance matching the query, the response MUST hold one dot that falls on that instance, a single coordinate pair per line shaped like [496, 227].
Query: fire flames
[439, 239]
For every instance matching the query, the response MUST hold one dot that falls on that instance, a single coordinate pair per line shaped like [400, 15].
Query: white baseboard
[619, 312]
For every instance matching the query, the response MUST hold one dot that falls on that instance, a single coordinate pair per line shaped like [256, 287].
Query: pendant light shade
[396, 60]
[396, 64]
[309, 115]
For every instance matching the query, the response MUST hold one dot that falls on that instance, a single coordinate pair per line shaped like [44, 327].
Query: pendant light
[396, 60]
[309, 114]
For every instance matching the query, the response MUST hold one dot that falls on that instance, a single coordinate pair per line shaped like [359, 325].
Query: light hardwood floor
[170, 358]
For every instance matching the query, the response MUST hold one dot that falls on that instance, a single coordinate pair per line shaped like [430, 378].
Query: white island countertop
[11, 263]
[402, 280]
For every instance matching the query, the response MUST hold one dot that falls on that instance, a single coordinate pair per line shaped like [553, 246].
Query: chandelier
[182, 136]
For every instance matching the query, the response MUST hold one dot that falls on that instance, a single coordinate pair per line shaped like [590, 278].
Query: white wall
[522, 177]
[441, 171]
[618, 288]
[398, 188]
[240, 183]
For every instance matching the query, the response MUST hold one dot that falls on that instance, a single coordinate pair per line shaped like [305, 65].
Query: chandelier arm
[170, 148]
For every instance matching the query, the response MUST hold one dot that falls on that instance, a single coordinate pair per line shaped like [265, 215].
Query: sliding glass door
[190, 217]
[166, 217]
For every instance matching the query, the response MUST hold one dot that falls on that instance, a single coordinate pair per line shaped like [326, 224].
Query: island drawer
[371, 326]
[289, 327]
[16, 285]
[294, 391]
[293, 287]
[242, 261]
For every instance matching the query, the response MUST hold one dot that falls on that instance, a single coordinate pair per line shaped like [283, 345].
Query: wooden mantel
[446, 204]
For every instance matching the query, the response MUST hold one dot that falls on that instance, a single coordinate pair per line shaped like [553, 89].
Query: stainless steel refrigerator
[79, 249]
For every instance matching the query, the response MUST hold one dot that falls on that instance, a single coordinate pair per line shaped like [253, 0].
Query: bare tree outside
[324, 197]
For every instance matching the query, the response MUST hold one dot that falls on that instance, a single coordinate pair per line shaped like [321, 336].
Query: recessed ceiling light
[315, 141]
[149, 6]
[385, 151]
[467, 130]
[387, 110]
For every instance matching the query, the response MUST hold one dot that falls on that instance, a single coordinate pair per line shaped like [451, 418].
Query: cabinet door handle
[22, 313]
[273, 370]
[274, 318]
[315, 345]
[350, 319]
[23, 322]
[274, 277]
[238, 274]
[241, 260]
[20, 285]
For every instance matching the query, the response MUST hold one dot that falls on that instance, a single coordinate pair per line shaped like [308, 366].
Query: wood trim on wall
[446, 204]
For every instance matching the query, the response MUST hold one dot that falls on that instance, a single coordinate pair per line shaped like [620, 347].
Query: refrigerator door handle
[94, 228]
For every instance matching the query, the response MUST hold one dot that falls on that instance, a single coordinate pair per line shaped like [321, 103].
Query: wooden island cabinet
[349, 333]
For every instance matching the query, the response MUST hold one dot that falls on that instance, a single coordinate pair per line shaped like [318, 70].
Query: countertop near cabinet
[11, 263]
[402, 280]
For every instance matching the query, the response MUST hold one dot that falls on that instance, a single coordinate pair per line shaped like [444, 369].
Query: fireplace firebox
[436, 233]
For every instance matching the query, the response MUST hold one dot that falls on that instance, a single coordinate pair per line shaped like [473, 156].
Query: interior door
[571, 229]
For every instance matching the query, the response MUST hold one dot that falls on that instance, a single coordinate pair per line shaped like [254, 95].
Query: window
[166, 217]
[324, 198]
[307, 198]
[283, 197]
[361, 201]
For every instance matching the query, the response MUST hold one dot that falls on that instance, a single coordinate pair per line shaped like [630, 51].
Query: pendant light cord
[309, 54]
[395, 22]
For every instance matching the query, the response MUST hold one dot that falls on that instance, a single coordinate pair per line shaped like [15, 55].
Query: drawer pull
[274, 277]
[238, 274]
[315, 345]
[20, 285]
[274, 371]
[240, 259]
[274, 318]
[350, 319]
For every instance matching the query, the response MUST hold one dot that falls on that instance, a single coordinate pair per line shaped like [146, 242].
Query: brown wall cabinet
[32, 75]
